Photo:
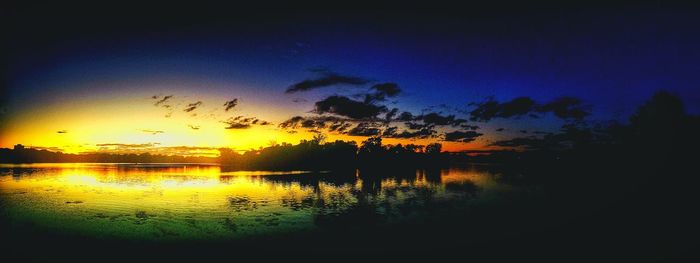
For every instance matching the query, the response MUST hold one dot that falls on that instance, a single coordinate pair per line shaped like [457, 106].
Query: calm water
[207, 202]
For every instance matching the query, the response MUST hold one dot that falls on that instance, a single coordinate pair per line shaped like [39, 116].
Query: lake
[189, 202]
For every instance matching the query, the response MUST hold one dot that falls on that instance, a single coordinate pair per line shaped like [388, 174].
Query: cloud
[364, 129]
[161, 101]
[292, 122]
[392, 132]
[236, 125]
[62, 131]
[328, 79]
[490, 109]
[461, 136]
[405, 116]
[563, 108]
[566, 108]
[382, 91]
[332, 123]
[194, 127]
[470, 127]
[192, 106]
[154, 132]
[242, 122]
[389, 116]
[343, 106]
[440, 120]
[230, 104]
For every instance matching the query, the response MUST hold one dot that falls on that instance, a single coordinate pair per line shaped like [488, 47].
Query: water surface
[207, 202]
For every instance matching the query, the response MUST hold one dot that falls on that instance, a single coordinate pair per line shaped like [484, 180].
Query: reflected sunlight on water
[200, 201]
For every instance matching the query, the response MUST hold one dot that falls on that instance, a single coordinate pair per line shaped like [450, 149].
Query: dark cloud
[194, 127]
[440, 120]
[405, 116]
[328, 79]
[390, 131]
[62, 131]
[331, 123]
[192, 106]
[364, 129]
[161, 101]
[382, 91]
[469, 127]
[154, 132]
[415, 126]
[500, 129]
[490, 109]
[566, 108]
[230, 104]
[339, 127]
[423, 133]
[461, 136]
[344, 106]
[291, 123]
[236, 125]
[242, 122]
[389, 116]
[387, 89]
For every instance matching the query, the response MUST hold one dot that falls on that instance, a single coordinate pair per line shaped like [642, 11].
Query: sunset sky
[88, 82]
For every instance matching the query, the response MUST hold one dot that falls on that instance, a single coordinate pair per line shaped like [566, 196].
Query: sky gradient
[92, 82]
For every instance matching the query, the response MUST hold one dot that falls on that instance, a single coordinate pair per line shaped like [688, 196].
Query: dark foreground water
[165, 202]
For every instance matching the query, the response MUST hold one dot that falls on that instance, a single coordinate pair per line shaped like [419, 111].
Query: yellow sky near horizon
[90, 124]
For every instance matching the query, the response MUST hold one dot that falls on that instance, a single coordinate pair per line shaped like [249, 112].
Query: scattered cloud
[566, 108]
[344, 106]
[154, 132]
[392, 132]
[490, 109]
[242, 122]
[194, 127]
[162, 100]
[230, 104]
[461, 136]
[563, 108]
[364, 129]
[62, 131]
[327, 79]
[193, 106]
[382, 91]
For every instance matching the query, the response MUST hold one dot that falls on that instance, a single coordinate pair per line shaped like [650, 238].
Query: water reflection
[166, 201]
